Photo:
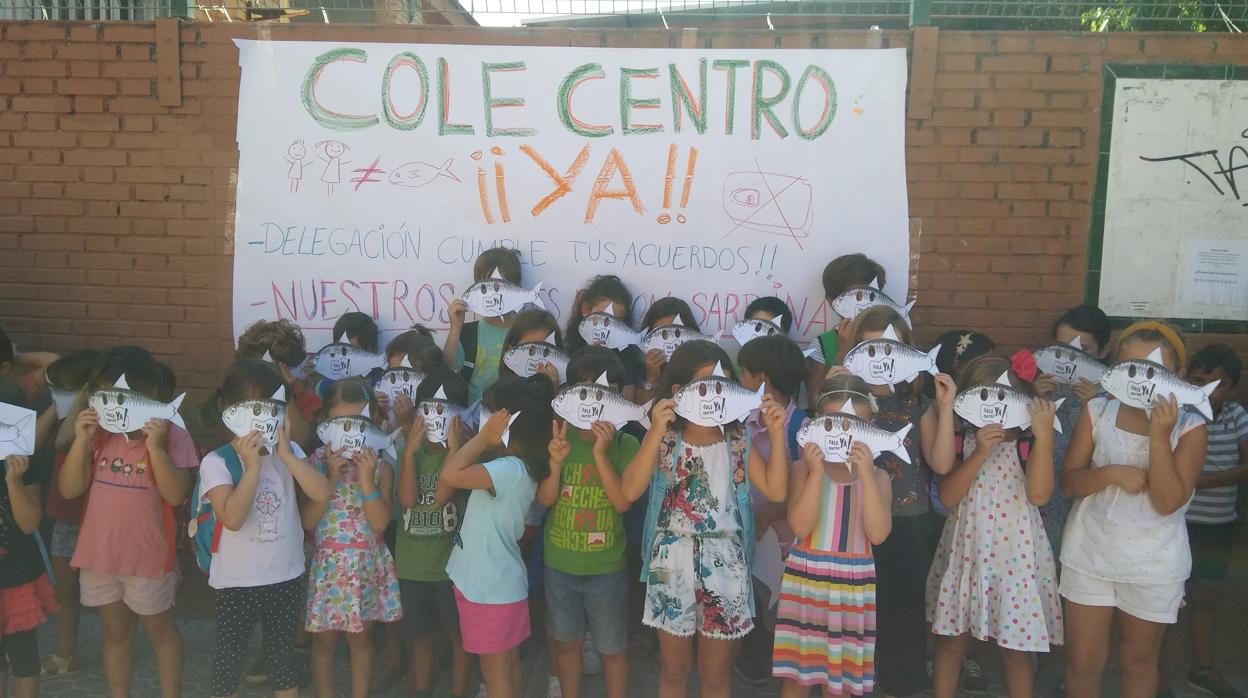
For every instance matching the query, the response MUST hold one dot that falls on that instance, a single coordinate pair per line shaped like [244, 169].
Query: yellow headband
[1170, 335]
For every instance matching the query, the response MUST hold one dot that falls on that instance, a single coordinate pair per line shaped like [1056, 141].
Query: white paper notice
[1217, 273]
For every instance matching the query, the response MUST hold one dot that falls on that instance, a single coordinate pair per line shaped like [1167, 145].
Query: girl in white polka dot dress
[994, 576]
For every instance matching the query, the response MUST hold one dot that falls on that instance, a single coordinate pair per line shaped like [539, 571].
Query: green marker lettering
[492, 102]
[404, 122]
[320, 114]
[683, 102]
[730, 66]
[829, 103]
[761, 106]
[573, 80]
[445, 127]
[628, 104]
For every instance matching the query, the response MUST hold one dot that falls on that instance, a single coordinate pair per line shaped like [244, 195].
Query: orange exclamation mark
[482, 191]
[684, 192]
[668, 177]
[500, 187]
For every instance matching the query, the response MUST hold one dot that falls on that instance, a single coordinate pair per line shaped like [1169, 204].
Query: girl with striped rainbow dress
[825, 630]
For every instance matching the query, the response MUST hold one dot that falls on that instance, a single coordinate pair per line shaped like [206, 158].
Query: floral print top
[701, 499]
[344, 523]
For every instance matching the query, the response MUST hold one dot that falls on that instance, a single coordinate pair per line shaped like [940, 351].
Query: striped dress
[825, 629]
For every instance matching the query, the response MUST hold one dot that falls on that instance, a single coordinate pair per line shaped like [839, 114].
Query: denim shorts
[597, 603]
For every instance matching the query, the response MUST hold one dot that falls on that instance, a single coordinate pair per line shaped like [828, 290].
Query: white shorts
[144, 596]
[1156, 603]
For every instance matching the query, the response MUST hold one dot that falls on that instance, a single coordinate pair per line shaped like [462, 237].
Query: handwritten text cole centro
[789, 103]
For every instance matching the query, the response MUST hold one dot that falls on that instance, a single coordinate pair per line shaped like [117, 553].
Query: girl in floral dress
[352, 582]
[994, 576]
[699, 527]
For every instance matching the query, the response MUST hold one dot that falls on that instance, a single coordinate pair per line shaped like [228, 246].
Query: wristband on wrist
[371, 497]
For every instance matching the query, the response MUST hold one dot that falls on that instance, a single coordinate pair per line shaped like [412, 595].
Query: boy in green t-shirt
[843, 273]
[432, 513]
[585, 577]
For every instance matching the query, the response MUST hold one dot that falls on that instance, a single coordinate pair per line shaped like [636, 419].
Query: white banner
[372, 175]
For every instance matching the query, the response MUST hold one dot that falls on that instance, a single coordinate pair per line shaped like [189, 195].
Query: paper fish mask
[342, 360]
[524, 358]
[998, 403]
[856, 300]
[887, 361]
[608, 330]
[585, 403]
[814, 351]
[63, 399]
[1067, 363]
[355, 432]
[496, 297]
[1138, 381]
[400, 380]
[715, 400]
[17, 431]
[754, 328]
[668, 337]
[835, 433]
[438, 411]
[260, 415]
[122, 410]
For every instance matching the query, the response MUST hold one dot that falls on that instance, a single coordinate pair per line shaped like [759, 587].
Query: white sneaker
[591, 661]
[553, 689]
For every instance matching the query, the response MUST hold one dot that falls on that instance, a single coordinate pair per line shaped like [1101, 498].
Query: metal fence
[1102, 15]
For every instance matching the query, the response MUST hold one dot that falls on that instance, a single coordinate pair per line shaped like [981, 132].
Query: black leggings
[19, 653]
[901, 565]
[278, 607]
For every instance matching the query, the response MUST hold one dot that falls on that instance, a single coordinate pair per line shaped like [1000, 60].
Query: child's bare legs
[166, 641]
[675, 663]
[1020, 673]
[23, 686]
[420, 663]
[501, 672]
[1087, 649]
[615, 670]
[461, 665]
[118, 623]
[792, 689]
[322, 663]
[1139, 653]
[947, 663]
[566, 662]
[1203, 598]
[361, 645]
[67, 596]
[715, 660]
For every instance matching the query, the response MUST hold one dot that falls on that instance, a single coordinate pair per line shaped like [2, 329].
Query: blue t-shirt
[485, 564]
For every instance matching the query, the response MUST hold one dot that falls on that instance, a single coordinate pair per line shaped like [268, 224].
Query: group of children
[446, 538]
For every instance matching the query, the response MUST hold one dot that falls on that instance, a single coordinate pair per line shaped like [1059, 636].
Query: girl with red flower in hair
[994, 575]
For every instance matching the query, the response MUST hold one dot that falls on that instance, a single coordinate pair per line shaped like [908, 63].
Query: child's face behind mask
[1201, 377]
[832, 407]
[1065, 334]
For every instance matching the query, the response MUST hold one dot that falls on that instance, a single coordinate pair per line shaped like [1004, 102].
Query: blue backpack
[204, 528]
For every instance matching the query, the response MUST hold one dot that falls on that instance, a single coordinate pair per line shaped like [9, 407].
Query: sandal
[55, 666]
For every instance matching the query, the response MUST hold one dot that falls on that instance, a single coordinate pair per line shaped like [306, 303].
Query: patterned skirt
[825, 630]
[348, 587]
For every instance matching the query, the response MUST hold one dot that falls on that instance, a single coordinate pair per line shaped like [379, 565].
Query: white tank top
[1119, 536]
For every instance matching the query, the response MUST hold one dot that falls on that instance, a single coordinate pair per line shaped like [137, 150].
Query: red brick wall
[116, 213]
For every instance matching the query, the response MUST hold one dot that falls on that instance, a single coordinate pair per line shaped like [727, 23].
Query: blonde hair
[1168, 337]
